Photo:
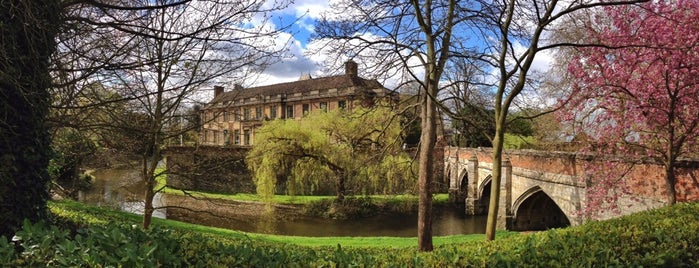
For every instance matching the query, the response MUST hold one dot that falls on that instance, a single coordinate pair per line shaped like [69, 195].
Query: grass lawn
[80, 212]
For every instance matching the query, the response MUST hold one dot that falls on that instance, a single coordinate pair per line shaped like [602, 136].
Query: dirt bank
[187, 206]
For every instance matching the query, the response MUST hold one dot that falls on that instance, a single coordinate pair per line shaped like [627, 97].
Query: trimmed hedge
[667, 237]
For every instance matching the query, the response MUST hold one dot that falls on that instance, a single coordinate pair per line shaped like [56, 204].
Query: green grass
[373, 242]
[78, 212]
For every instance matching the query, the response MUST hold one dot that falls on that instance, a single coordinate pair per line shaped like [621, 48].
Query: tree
[28, 29]
[406, 37]
[514, 32]
[156, 56]
[340, 147]
[641, 91]
[474, 126]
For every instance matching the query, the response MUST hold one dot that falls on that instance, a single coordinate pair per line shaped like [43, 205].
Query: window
[226, 138]
[246, 137]
[289, 111]
[226, 116]
[236, 115]
[246, 115]
[342, 104]
[273, 112]
[306, 109]
[236, 137]
[215, 137]
[258, 112]
[324, 106]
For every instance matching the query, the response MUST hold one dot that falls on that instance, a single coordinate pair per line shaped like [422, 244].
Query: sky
[301, 16]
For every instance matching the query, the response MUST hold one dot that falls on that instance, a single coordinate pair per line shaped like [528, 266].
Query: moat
[122, 189]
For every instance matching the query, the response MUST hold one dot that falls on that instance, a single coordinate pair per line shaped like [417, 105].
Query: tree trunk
[149, 166]
[494, 204]
[670, 182]
[426, 173]
[340, 186]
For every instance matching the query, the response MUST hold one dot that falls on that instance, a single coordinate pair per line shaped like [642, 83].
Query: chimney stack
[351, 68]
[217, 91]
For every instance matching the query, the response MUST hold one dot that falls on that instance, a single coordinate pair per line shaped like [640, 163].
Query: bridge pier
[474, 205]
[505, 214]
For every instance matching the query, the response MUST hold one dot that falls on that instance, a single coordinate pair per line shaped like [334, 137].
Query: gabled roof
[323, 83]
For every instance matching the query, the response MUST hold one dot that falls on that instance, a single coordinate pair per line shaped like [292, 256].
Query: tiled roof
[323, 83]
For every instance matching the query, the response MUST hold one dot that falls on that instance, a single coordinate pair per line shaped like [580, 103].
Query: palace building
[230, 119]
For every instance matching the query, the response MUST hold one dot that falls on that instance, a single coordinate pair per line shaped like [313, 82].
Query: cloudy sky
[301, 16]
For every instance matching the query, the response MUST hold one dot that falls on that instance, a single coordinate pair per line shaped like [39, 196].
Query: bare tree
[157, 56]
[406, 39]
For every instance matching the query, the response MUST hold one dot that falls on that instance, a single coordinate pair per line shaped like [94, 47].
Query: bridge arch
[536, 210]
[484, 188]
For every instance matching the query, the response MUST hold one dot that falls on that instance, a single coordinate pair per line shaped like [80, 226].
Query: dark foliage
[27, 31]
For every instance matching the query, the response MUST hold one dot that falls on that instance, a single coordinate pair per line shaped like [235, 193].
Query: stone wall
[209, 168]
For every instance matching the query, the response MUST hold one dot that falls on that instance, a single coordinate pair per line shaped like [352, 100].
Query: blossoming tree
[637, 95]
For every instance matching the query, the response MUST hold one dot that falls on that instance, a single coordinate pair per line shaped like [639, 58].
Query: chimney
[305, 77]
[217, 91]
[351, 68]
[237, 86]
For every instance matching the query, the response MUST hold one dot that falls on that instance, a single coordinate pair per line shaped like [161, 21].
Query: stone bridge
[541, 190]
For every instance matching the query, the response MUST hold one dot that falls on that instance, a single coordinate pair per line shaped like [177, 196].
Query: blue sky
[301, 16]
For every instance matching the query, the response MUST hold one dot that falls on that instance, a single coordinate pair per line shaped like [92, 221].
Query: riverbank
[361, 216]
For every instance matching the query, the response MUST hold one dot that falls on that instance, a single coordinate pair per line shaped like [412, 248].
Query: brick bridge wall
[561, 177]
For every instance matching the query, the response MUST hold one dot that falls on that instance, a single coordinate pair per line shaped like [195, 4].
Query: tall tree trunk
[27, 30]
[494, 204]
[150, 164]
[426, 173]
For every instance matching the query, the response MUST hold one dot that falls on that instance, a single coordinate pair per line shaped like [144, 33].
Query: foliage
[359, 149]
[667, 237]
[474, 127]
[70, 149]
[518, 142]
[641, 98]
[28, 31]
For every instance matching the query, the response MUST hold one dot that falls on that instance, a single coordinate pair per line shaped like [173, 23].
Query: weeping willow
[352, 152]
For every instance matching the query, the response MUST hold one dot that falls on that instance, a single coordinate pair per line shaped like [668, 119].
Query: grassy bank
[75, 212]
[88, 236]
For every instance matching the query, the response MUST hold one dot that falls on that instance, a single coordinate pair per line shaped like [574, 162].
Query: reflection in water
[447, 221]
[123, 189]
